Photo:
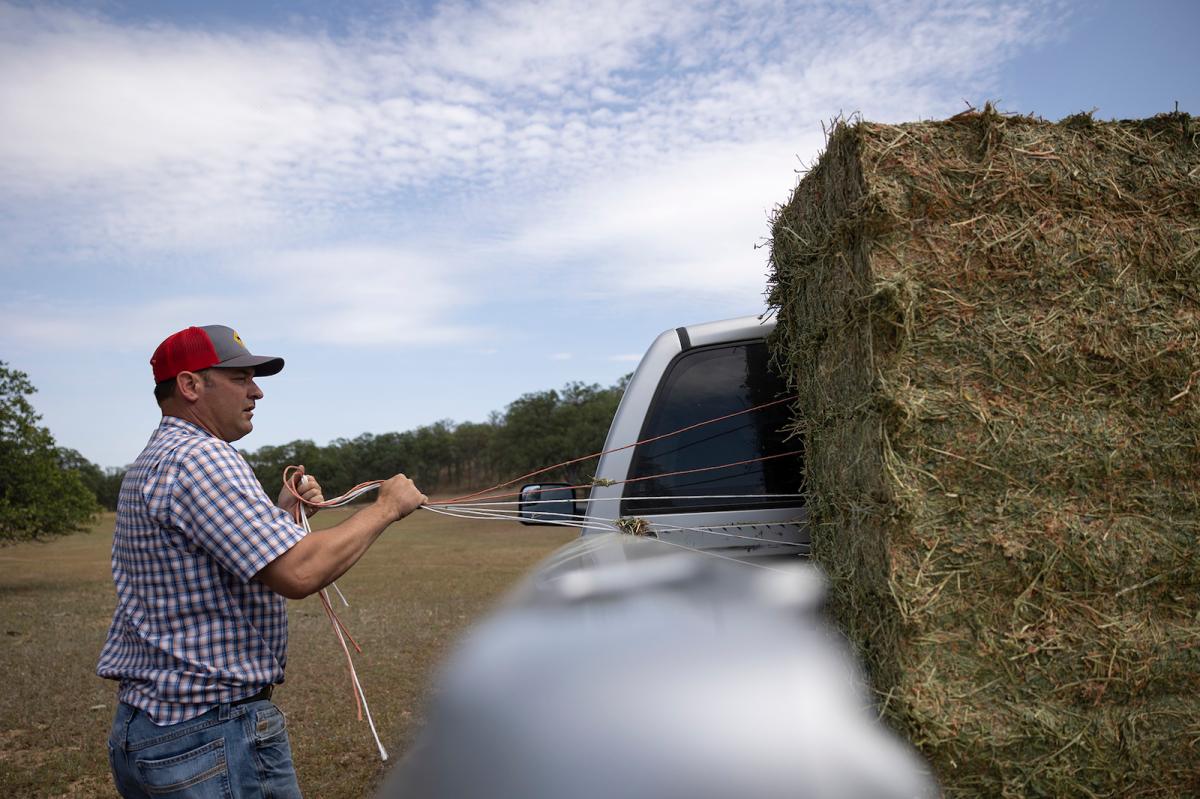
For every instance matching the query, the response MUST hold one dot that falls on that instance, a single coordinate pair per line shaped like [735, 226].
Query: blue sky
[429, 209]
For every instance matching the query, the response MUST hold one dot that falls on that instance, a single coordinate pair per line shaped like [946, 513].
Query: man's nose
[255, 391]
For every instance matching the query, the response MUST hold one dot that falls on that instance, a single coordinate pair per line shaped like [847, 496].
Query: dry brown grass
[994, 328]
[418, 587]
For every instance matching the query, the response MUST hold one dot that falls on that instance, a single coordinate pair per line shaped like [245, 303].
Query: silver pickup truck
[624, 666]
[732, 484]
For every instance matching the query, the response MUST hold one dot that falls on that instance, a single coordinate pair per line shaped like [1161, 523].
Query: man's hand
[307, 487]
[400, 496]
[323, 556]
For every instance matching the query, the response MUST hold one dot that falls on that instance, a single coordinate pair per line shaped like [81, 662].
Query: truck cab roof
[721, 331]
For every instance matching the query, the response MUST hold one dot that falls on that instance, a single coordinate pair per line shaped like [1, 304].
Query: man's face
[227, 402]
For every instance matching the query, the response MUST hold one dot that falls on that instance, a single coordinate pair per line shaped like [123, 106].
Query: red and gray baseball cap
[196, 348]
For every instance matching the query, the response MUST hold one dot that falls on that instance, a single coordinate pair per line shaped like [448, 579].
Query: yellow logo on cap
[238, 339]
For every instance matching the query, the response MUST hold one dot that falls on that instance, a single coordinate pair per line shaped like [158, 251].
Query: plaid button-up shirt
[192, 629]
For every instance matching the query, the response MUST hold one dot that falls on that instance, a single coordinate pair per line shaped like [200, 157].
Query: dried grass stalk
[993, 324]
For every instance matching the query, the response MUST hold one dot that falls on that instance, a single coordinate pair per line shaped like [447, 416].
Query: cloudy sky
[431, 208]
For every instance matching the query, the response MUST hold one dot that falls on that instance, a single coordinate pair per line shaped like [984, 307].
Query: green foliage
[42, 489]
[49, 489]
[105, 484]
[537, 430]
[549, 427]
[269, 462]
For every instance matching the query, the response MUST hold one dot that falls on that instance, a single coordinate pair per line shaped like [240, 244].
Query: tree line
[46, 489]
[536, 430]
[41, 488]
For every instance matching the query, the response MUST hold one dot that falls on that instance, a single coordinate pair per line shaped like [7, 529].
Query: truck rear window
[703, 384]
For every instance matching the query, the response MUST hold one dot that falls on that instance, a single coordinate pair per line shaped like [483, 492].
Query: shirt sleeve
[220, 506]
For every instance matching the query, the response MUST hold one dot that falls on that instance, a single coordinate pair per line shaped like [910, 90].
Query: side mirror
[547, 503]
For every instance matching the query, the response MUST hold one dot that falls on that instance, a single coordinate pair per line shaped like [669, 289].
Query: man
[202, 562]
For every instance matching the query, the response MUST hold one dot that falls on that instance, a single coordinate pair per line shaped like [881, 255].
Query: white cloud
[161, 114]
[93, 107]
[111, 326]
[689, 225]
[403, 184]
[649, 140]
[546, 44]
[605, 95]
[367, 295]
[561, 356]
[358, 295]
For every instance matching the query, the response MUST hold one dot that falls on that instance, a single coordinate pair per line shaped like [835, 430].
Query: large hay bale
[993, 324]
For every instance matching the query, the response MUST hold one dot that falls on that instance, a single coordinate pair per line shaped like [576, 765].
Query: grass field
[425, 580]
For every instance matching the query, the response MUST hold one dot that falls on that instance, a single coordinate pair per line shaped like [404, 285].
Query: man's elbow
[289, 581]
[293, 590]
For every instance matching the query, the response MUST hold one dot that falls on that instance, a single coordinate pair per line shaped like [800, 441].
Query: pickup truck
[689, 376]
[626, 666]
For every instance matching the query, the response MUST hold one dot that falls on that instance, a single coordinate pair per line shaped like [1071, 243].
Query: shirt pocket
[177, 540]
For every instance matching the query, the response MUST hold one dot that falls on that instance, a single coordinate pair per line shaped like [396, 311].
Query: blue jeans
[232, 751]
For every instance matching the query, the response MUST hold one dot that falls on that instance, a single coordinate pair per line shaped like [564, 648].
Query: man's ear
[189, 385]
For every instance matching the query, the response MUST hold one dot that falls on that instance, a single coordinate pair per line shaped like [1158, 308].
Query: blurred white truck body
[623, 666]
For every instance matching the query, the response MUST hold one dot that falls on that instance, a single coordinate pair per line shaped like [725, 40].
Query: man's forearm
[322, 556]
